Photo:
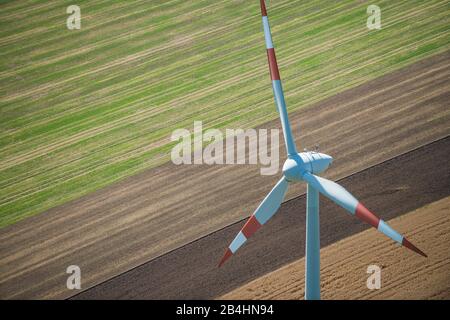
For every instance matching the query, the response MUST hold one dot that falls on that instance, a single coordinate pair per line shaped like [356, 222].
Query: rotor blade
[276, 84]
[343, 198]
[263, 213]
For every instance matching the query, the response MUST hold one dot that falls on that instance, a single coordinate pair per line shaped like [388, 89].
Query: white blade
[268, 207]
[343, 198]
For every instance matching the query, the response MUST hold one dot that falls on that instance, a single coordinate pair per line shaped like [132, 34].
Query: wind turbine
[303, 167]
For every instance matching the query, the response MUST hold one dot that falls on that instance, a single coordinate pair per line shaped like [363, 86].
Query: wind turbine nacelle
[313, 162]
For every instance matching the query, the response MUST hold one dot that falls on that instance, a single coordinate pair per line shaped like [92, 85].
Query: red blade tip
[412, 247]
[263, 8]
[225, 257]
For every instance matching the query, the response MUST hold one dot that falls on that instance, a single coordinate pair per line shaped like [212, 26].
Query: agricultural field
[81, 109]
[271, 264]
[132, 238]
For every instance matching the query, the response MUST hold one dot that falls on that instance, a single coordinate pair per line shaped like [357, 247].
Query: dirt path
[127, 224]
[344, 264]
[389, 189]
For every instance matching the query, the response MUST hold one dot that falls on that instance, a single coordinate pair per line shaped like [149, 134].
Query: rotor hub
[309, 161]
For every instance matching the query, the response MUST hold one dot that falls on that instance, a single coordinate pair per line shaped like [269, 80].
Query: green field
[81, 109]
